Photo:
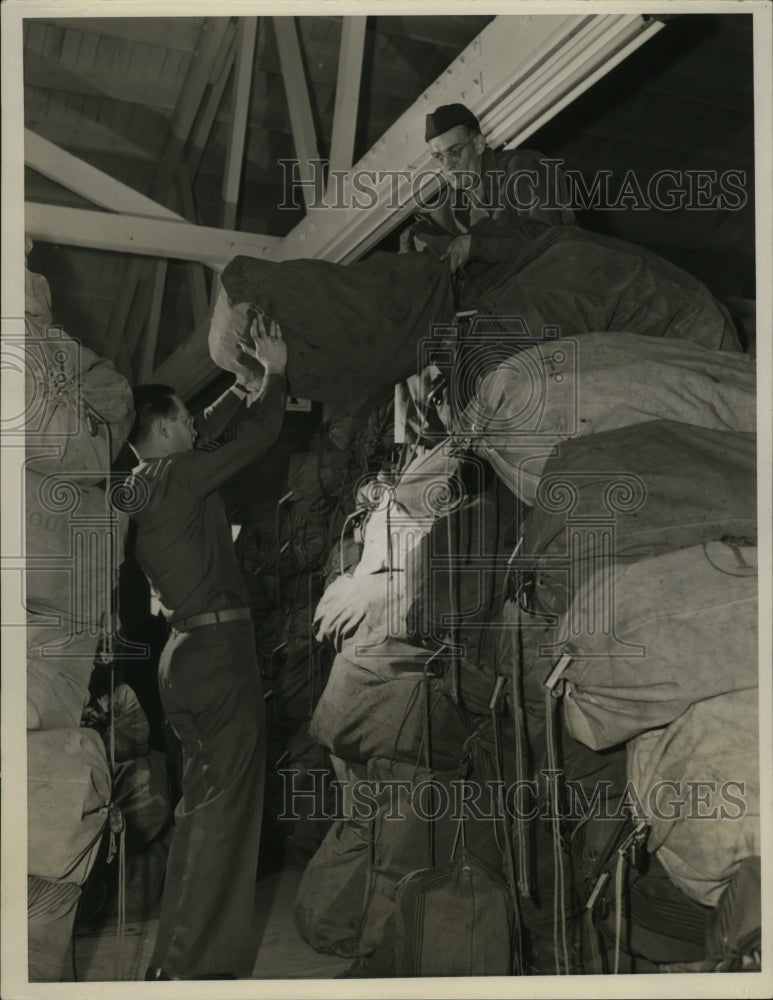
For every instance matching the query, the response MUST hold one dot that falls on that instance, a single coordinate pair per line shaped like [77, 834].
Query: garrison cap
[446, 117]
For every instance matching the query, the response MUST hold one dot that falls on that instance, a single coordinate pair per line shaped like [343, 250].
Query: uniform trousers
[212, 695]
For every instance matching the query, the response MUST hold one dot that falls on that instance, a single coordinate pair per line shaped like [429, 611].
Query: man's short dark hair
[150, 402]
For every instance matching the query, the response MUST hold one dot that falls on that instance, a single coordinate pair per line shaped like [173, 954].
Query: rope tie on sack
[630, 844]
[519, 824]
[517, 957]
[559, 876]
[117, 828]
[618, 907]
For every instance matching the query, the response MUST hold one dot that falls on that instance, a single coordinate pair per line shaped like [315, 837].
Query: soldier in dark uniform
[208, 674]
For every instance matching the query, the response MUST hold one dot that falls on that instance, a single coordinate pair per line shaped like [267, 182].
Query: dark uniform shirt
[515, 186]
[184, 543]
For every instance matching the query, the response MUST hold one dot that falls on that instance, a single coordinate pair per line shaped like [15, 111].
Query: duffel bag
[456, 919]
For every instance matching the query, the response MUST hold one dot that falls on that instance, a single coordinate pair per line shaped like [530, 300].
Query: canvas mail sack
[558, 390]
[68, 794]
[677, 486]
[346, 325]
[683, 628]
[79, 408]
[699, 784]
[579, 281]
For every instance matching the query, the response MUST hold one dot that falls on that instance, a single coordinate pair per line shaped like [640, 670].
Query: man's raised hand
[270, 347]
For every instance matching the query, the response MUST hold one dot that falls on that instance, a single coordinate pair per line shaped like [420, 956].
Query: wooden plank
[55, 163]
[210, 38]
[137, 319]
[89, 137]
[191, 94]
[203, 127]
[194, 272]
[144, 236]
[148, 347]
[41, 189]
[298, 102]
[240, 102]
[494, 75]
[347, 99]
[169, 32]
[101, 79]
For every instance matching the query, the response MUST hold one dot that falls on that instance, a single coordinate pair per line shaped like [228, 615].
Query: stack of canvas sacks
[79, 412]
[392, 710]
[637, 456]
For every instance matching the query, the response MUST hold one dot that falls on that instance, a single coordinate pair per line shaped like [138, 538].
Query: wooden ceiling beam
[149, 345]
[143, 236]
[298, 102]
[191, 94]
[347, 92]
[240, 103]
[75, 174]
[171, 32]
[203, 127]
[89, 137]
[41, 189]
[159, 94]
[197, 282]
[210, 40]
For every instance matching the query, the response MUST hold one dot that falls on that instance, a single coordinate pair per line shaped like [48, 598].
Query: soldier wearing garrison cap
[487, 195]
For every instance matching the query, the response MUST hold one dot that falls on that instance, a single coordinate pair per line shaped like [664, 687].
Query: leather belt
[210, 618]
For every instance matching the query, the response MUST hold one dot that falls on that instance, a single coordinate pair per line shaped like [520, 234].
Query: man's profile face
[457, 151]
[180, 428]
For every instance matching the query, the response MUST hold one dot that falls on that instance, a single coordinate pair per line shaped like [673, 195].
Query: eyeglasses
[454, 154]
[188, 421]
